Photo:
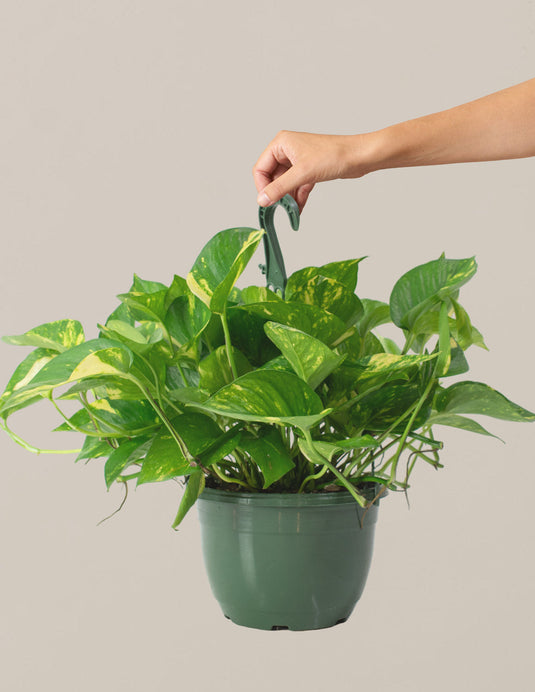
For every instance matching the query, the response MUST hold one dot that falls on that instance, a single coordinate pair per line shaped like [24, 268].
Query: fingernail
[263, 200]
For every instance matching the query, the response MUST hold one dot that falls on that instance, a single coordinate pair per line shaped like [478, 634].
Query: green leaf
[453, 420]
[219, 448]
[370, 372]
[215, 369]
[27, 370]
[465, 334]
[178, 287]
[344, 272]
[479, 398]
[308, 318]
[58, 336]
[220, 263]
[248, 336]
[386, 366]
[105, 387]
[358, 442]
[458, 363]
[146, 306]
[268, 396]
[127, 453]
[164, 459]
[444, 348]
[389, 346]
[311, 359]
[278, 363]
[330, 449]
[375, 313]
[114, 418]
[188, 395]
[425, 286]
[194, 488]
[379, 409]
[330, 295]
[427, 324]
[258, 294]
[314, 451]
[91, 359]
[95, 358]
[140, 285]
[139, 339]
[186, 319]
[269, 453]
[94, 448]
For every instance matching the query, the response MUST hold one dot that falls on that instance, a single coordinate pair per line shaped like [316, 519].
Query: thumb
[281, 186]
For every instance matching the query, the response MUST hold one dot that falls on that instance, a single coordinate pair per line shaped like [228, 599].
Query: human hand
[494, 127]
[294, 162]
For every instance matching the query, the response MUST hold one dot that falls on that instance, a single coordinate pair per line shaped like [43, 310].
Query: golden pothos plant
[243, 389]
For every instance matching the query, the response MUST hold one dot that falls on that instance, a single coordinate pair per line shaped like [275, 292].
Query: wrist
[369, 152]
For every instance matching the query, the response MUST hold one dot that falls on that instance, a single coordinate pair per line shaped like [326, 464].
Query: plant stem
[228, 345]
[156, 383]
[406, 432]
[313, 477]
[31, 448]
[343, 337]
[319, 458]
[408, 343]
[358, 397]
[85, 403]
[227, 479]
[176, 437]
[242, 463]
[179, 367]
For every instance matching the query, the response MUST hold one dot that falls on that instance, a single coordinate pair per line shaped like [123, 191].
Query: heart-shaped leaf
[127, 453]
[203, 438]
[113, 418]
[269, 453]
[28, 369]
[220, 263]
[186, 318]
[344, 272]
[194, 487]
[310, 358]
[308, 318]
[94, 358]
[57, 336]
[268, 396]
[215, 370]
[330, 295]
[479, 398]
[453, 420]
[427, 285]
[375, 313]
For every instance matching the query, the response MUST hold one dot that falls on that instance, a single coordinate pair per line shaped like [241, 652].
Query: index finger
[267, 165]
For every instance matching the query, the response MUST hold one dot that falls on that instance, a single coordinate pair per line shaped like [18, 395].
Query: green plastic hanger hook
[274, 267]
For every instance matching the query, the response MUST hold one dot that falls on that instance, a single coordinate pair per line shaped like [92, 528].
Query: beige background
[128, 133]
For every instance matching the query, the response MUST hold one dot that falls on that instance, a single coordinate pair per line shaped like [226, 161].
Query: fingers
[289, 165]
[264, 169]
[301, 195]
[273, 161]
[286, 183]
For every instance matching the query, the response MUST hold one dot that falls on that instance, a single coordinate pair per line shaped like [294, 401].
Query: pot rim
[340, 497]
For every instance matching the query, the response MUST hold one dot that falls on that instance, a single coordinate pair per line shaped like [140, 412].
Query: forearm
[498, 126]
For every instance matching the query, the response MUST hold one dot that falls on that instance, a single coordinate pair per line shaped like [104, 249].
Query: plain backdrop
[128, 131]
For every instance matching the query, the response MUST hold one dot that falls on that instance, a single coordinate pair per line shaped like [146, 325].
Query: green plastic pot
[286, 561]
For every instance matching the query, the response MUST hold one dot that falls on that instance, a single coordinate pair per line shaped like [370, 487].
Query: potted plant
[286, 413]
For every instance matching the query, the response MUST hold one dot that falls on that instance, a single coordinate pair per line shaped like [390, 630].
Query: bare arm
[498, 126]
